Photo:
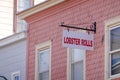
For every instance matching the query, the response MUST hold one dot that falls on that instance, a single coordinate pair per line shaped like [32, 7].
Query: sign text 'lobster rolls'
[73, 39]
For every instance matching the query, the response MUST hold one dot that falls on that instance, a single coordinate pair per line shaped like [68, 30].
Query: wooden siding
[13, 58]
[44, 26]
[6, 18]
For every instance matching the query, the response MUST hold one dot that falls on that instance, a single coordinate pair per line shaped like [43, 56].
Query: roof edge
[39, 8]
[13, 38]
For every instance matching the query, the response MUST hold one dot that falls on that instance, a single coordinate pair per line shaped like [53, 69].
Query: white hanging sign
[80, 40]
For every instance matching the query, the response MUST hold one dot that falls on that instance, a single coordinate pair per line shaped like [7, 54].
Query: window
[112, 48]
[23, 4]
[115, 50]
[16, 76]
[21, 25]
[43, 61]
[44, 64]
[76, 64]
[20, 5]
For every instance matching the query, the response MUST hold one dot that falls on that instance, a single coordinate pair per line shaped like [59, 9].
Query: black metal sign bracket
[92, 27]
[3, 77]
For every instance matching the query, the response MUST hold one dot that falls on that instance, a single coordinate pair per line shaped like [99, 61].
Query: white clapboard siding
[6, 18]
[13, 57]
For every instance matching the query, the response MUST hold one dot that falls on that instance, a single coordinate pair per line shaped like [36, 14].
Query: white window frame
[41, 47]
[113, 51]
[109, 24]
[17, 73]
[69, 64]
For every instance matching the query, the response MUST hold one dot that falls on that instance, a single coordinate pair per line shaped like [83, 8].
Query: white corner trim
[39, 8]
[13, 38]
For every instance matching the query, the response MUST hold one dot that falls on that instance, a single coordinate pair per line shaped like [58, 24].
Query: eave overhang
[12, 39]
[39, 8]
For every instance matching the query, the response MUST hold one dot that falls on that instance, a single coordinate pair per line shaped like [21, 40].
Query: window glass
[115, 39]
[115, 61]
[114, 50]
[44, 75]
[17, 78]
[23, 4]
[77, 55]
[44, 60]
[77, 58]
[77, 71]
[21, 25]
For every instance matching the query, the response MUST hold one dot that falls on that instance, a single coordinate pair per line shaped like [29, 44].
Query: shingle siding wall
[44, 26]
[12, 59]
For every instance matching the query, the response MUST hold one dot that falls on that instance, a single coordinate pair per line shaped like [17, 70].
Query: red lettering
[69, 40]
[87, 43]
[91, 43]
